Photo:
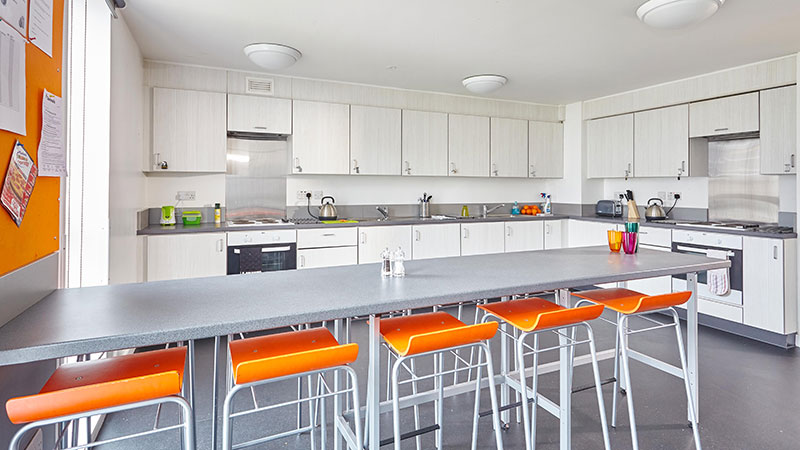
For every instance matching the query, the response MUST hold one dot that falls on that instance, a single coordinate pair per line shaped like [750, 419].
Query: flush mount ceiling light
[272, 56]
[483, 84]
[672, 14]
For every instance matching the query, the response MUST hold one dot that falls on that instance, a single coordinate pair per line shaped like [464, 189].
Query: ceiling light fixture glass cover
[672, 14]
[272, 56]
[483, 84]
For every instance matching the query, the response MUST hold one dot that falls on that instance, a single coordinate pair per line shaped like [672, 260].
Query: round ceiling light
[272, 56]
[672, 14]
[483, 84]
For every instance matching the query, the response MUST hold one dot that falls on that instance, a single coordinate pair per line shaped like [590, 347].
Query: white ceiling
[552, 51]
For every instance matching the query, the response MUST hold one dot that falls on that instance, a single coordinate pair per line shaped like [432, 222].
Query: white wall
[127, 183]
[162, 189]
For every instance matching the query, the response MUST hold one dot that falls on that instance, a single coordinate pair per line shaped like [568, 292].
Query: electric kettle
[327, 211]
[655, 210]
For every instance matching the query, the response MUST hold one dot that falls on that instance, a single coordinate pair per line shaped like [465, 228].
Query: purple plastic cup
[629, 240]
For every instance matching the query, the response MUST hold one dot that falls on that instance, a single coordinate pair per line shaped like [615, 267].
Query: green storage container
[192, 218]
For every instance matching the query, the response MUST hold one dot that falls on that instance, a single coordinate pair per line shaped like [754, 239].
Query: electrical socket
[186, 195]
[671, 196]
[301, 194]
[662, 195]
[317, 195]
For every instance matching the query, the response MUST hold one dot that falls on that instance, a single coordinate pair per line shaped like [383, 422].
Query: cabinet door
[482, 238]
[468, 146]
[424, 143]
[436, 241]
[508, 148]
[554, 234]
[586, 234]
[609, 147]
[661, 142]
[546, 150]
[320, 138]
[779, 130]
[373, 240]
[727, 115]
[188, 130]
[248, 113]
[524, 236]
[312, 258]
[186, 256]
[375, 140]
[763, 283]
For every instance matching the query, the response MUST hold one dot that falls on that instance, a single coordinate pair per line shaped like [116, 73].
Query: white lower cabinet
[770, 284]
[583, 233]
[554, 234]
[373, 240]
[311, 258]
[436, 241]
[524, 236]
[186, 256]
[482, 238]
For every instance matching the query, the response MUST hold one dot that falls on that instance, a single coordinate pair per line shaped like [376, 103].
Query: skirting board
[22, 288]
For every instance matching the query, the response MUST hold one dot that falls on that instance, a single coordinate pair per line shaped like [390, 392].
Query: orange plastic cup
[614, 240]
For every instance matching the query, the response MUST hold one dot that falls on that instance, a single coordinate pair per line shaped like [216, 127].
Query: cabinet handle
[791, 160]
[547, 228]
[220, 245]
[682, 169]
[408, 167]
[533, 170]
[508, 231]
[363, 237]
[302, 260]
[453, 167]
[328, 234]
[494, 169]
[417, 235]
[297, 166]
[775, 252]
[721, 129]
[466, 233]
[260, 128]
[628, 171]
[355, 166]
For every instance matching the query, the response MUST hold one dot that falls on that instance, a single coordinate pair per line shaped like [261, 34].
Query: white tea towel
[719, 279]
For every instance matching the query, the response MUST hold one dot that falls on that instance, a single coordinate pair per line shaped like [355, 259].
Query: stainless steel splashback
[255, 180]
[736, 189]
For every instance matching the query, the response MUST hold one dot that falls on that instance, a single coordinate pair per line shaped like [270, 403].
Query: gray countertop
[93, 319]
[210, 227]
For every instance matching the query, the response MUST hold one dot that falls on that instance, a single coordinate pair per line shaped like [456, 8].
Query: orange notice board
[38, 235]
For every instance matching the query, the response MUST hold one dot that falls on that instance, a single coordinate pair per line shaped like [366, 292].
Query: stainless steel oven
[712, 245]
[261, 251]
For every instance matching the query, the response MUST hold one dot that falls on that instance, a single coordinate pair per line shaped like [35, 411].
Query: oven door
[261, 258]
[734, 256]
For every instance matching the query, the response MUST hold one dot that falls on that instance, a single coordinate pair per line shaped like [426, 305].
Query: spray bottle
[548, 206]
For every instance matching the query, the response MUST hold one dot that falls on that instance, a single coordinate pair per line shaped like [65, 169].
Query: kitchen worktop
[371, 222]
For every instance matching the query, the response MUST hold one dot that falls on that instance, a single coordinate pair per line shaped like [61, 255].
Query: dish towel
[719, 282]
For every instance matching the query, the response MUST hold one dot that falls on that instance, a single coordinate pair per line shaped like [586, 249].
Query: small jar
[386, 263]
[398, 263]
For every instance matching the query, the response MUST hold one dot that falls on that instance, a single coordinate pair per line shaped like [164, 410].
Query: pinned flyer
[18, 184]
[52, 155]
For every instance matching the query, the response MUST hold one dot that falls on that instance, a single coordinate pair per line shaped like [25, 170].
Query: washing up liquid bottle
[515, 209]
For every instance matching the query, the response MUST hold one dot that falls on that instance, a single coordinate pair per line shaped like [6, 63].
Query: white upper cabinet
[188, 131]
[727, 115]
[609, 147]
[468, 146]
[424, 143]
[320, 138]
[661, 142]
[779, 130]
[546, 150]
[482, 238]
[375, 134]
[508, 148]
[248, 113]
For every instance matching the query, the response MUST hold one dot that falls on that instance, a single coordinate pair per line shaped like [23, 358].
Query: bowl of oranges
[530, 210]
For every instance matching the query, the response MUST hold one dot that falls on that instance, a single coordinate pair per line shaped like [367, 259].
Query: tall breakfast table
[95, 319]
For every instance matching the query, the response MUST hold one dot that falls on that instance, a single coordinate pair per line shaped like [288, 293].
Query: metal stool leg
[526, 420]
[396, 403]
[535, 405]
[440, 404]
[414, 389]
[616, 385]
[477, 411]
[621, 331]
[679, 336]
[498, 433]
[598, 388]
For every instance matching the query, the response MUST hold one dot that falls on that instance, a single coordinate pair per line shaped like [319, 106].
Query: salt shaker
[386, 263]
[398, 263]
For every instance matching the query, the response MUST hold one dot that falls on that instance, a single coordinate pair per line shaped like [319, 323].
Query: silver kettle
[327, 211]
[655, 209]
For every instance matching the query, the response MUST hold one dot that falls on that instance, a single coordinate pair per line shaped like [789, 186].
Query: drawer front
[720, 310]
[660, 237]
[327, 237]
[326, 257]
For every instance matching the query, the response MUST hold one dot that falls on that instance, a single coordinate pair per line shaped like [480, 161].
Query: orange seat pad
[85, 386]
[529, 314]
[420, 333]
[626, 301]
[277, 355]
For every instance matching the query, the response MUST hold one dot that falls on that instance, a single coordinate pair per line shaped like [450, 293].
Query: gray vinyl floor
[749, 399]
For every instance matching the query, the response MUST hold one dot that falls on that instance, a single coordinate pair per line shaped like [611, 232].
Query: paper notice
[40, 26]
[52, 157]
[12, 79]
[15, 12]
[19, 182]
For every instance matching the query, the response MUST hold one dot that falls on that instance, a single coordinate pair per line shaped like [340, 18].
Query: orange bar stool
[627, 304]
[432, 334]
[533, 316]
[84, 389]
[311, 352]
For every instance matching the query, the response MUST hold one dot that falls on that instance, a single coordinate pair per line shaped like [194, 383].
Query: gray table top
[87, 320]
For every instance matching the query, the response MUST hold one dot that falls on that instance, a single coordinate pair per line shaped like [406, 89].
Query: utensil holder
[424, 210]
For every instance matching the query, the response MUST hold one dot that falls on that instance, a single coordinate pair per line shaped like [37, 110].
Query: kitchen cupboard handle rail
[363, 237]
[302, 260]
[418, 235]
[775, 252]
[466, 233]
[260, 128]
[699, 251]
[508, 231]
[220, 245]
[721, 129]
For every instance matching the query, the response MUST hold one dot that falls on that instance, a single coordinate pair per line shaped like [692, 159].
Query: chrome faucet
[384, 210]
[485, 210]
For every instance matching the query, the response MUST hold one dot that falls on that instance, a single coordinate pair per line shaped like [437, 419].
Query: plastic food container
[192, 218]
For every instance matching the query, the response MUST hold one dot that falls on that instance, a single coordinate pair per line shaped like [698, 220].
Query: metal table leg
[565, 390]
[214, 374]
[691, 341]
[374, 386]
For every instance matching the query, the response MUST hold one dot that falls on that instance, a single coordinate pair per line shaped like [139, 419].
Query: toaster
[608, 208]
